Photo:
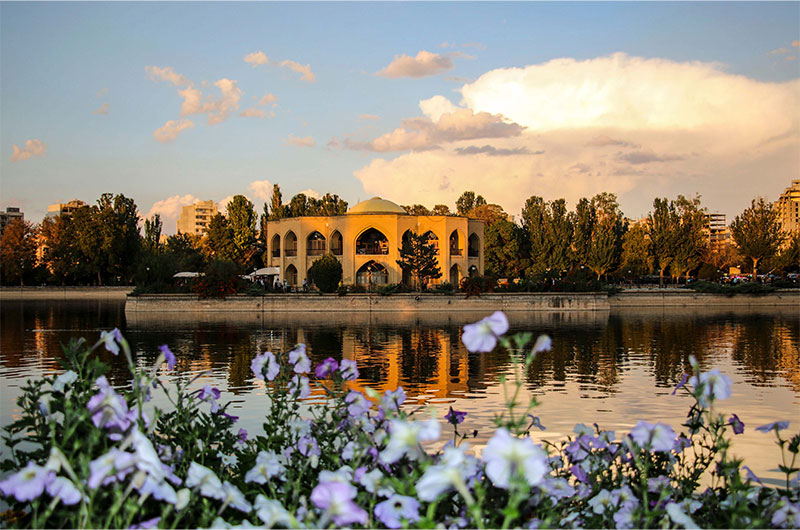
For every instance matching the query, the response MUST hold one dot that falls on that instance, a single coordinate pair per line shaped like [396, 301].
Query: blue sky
[551, 99]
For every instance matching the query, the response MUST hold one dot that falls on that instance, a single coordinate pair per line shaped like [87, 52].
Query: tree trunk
[661, 277]
[755, 269]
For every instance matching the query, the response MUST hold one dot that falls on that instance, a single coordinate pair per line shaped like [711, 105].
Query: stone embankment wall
[404, 303]
[64, 293]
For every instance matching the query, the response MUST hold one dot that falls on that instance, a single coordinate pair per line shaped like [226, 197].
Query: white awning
[187, 274]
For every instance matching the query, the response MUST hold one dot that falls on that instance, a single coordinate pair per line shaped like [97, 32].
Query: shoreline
[64, 293]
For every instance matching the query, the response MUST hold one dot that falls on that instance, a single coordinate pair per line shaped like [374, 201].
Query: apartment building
[9, 215]
[788, 207]
[194, 218]
[717, 230]
[66, 209]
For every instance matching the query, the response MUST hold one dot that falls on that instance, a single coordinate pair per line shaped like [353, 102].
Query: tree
[299, 206]
[636, 254]
[417, 209]
[662, 226]
[583, 222]
[488, 213]
[789, 258]
[534, 224]
[57, 239]
[467, 202]
[218, 241]
[277, 209]
[326, 273]
[690, 238]
[609, 229]
[242, 223]
[757, 232]
[90, 258]
[418, 258]
[441, 209]
[559, 235]
[505, 253]
[330, 205]
[17, 251]
[152, 234]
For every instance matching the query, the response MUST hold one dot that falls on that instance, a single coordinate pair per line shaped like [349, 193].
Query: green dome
[377, 205]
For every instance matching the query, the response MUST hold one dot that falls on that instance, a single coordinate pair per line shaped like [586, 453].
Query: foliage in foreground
[85, 454]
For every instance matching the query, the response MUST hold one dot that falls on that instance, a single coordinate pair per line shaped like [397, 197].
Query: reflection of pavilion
[367, 241]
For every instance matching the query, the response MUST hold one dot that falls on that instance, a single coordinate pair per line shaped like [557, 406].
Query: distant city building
[367, 239]
[717, 230]
[65, 209]
[9, 215]
[194, 218]
[788, 207]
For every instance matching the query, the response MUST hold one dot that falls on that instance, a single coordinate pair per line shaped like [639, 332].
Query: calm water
[610, 368]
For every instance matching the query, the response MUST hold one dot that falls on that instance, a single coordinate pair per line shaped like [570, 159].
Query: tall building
[66, 209]
[788, 207]
[194, 218]
[9, 215]
[717, 230]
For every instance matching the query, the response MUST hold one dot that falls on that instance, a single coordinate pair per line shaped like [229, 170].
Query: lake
[612, 368]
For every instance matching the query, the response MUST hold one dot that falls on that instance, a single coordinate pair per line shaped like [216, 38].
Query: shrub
[475, 285]
[444, 288]
[221, 279]
[326, 273]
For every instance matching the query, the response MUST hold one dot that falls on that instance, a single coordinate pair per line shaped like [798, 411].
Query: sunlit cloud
[424, 64]
[103, 109]
[305, 70]
[171, 130]
[157, 73]
[34, 147]
[311, 193]
[490, 150]
[256, 59]
[170, 209]
[308, 141]
[252, 112]
[266, 99]
[262, 189]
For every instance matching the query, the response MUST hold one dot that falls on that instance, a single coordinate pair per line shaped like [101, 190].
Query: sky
[172, 103]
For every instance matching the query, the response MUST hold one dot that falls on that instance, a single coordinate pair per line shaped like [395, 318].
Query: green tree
[488, 213]
[90, 257]
[609, 229]
[419, 258]
[467, 202]
[326, 273]
[441, 209]
[277, 209]
[559, 235]
[17, 251]
[186, 250]
[59, 251]
[636, 253]
[218, 241]
[534, 224]
[417, 209]
[691, 238]
[757, 233]
[152, 234]
[118, 219]
[331, 205]
[299, 206]
[505, 253]
[242, 223]
[662, 226]
[789, 257]
[583, 222]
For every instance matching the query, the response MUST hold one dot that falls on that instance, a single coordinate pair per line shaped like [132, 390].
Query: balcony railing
[473, 253]
[291, 252]
[276, 253]
[455, 251]
[373, 248]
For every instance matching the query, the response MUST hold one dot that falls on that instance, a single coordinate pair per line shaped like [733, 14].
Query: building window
[315, 244]
[290, 244]
[372, 242]
[372, 273]
[455, 247]
[276, 246]
[336, 243]
[474, 248]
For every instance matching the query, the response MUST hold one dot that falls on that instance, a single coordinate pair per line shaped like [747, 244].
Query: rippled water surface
[610, 368]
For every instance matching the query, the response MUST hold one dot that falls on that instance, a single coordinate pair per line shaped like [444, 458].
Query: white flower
[405, 437]
[299, 359]
[271, 512]
[210, 485]
[64, 380]
[506, 456]
[482, 335]
[235, 498]
[543, 343]
[679, 517]
[268, 465]
[601, 502]
[146, 457]
[452, 471]
[658, 437]
[183, 496]
[711, 386]
[228, 460]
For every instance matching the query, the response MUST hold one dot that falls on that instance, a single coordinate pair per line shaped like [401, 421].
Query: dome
[377, 205]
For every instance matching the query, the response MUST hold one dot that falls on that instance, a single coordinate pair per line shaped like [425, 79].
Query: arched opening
[290, 244]
[474, 250]
[291, 276]
[372, 242]
[276, 246]
[337, 246]
[473, 271]
[455, 275]
[432, 240]
[455, 244]
[372, 273]
[315, 244]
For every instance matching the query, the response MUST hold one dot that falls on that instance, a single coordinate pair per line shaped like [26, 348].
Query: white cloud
[256, 59]
[262, 189]
[217, 109]
[253, 112]
[157, 73]
[266, 99]
[32, 148]
[308, 141]
[424, 64]
[305, 70]
[641, 128]
[170, 209]
[103, 109]
[434, 107]
[171, 130]
[311, 193]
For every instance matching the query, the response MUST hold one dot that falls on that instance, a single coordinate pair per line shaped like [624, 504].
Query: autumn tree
[636, 252]
[441, 209]
[789, 258]
[467, 202]
[418, 257]
[17, 251]
[488, 213]
[662, 226]
[57, 239]
[416, 209]
[690, 237]
[757, 233]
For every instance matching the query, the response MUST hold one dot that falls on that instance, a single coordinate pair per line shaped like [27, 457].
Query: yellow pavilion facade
[367, 241]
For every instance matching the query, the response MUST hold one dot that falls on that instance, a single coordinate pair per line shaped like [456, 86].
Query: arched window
[455, 246]
[372, 273]
[474, 250]
[315, 244]
[473, 271]
[455, 275]
[372, 242]
[291, 276]
[336, 243]
[432, 240]
[276, 246]
[290, 245]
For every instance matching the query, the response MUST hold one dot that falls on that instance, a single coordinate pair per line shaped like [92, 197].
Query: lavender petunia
[397, 509]
[149, 523]
[657, 437]
[206, 479]
[682, 383]
[455, 417]
[736, 424]
[711, 386]
[271, 512]
[168, 356]
[268, 465]
[348, 370]
[506, 456]
[357, 404]
[336, 498]
[299, 360]
[326, 368]
[111, 340]
[265, 359]
[405, 438]
[298, 387]
[482, 336]
[28, 483]
[543, 343]
[241, 436]
[210, 394]
[64, 380]
[774, 426]
[454, 469]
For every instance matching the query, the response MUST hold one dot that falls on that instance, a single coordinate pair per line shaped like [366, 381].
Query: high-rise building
[788, 207]
[194, 218]
[66, 209]
[9, 215]
[717, 230]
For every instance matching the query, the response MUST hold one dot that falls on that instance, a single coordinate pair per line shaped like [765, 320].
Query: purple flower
[775, 425]
[150, 523]
[391, 400]
[298, 387]
[507, 456]
[397, 508]
[108, 409]
[64, 490]
[242, 436]
[736, 423]
[536, 422]
[111, 340]
[168, 356]
[336, 498]
[299, 359]
[579, 473]
[268, 465]
[268, 359]
[455, 417]
[64, 380]
[482, 335]
[348, 370]
[114, 462]
[357, 404]
[307, 446]
[711, 386]
[543, 343]
[326, 368]
[28, 483]
[658, 437]
[210, 394]
[681, 384]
